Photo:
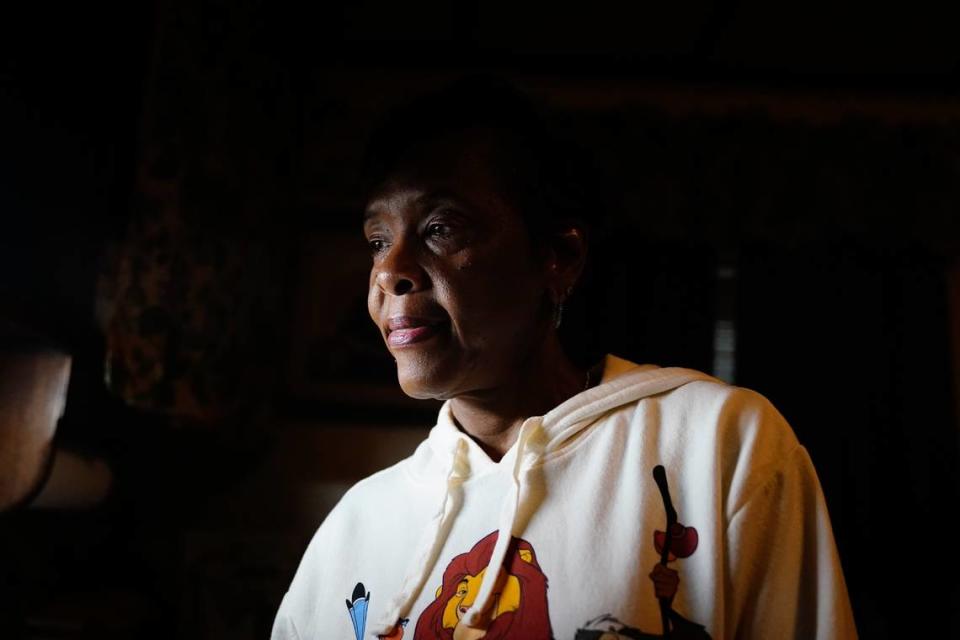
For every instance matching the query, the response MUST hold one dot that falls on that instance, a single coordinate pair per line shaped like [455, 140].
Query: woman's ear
[567, 256]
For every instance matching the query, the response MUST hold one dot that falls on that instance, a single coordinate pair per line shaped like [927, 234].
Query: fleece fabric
[561, 537]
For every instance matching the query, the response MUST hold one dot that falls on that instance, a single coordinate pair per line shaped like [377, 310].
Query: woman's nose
[399, 272]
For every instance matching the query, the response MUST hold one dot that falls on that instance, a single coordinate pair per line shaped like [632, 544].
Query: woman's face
[455, 287]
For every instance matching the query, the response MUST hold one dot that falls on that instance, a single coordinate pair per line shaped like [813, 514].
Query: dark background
[789, 196]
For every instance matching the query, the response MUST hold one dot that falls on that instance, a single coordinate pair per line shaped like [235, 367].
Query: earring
[557, 315]
[558, 309]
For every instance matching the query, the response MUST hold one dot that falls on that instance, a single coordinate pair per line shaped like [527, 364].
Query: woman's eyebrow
[402, 197]
[422, 200]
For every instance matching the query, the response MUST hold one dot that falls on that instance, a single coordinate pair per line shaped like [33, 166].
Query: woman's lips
[403, 331]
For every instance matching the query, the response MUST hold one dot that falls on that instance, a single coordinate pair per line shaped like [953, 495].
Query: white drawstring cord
[508, 515]
[429, 546]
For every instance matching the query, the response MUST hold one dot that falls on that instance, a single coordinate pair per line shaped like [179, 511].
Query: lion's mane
[530, 622]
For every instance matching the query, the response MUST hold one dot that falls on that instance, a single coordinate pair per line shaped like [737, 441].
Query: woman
[551, 499]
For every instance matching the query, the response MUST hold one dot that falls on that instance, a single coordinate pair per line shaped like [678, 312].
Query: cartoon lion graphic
[518, 609]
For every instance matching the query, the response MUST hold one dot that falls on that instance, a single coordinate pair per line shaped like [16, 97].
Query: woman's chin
[420, 384]
[417, 392]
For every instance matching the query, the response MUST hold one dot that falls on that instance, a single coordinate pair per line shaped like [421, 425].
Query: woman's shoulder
[388, 489]
[739, 418]
[699, 410]
[386, 483]
[749, 439]
[733, 408]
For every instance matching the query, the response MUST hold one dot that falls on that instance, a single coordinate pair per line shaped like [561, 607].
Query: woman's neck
[492, 417]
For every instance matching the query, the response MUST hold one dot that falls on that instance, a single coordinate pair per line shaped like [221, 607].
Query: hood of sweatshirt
[456, 457]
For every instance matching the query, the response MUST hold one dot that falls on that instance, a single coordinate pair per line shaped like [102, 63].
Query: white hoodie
[406, 551]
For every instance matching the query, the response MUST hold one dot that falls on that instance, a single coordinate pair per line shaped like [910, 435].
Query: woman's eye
[438, 230]
[376, 245]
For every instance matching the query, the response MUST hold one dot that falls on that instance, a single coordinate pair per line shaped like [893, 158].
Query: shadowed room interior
[189, 380]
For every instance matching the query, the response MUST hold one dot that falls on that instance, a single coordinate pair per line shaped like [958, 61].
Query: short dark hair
[544, 175]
